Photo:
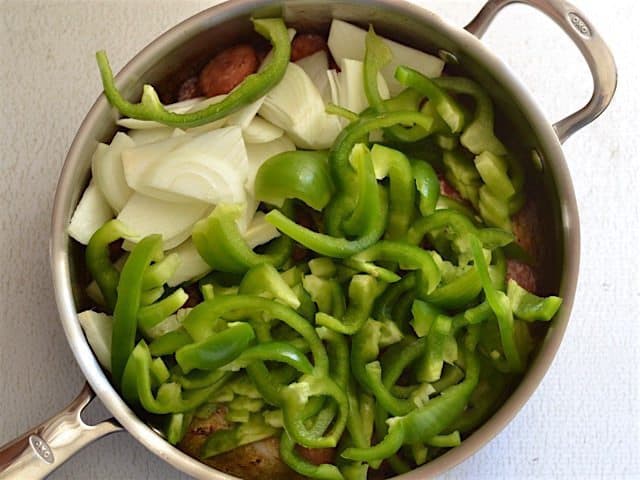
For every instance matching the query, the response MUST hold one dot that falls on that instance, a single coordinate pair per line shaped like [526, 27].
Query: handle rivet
[448, 57]
[536, 159]
[579, 24]
[41, 448]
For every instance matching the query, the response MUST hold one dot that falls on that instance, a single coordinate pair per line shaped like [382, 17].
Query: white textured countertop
[582, 422]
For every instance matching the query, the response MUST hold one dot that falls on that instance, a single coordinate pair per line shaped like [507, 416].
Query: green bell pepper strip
[383, 307]
[398, 357]
[444, 104]
[322, 267]
[220, 243]
[150, 315]
[491, 238]
[360, 218]
[98, 262]
[221, 441]
[333, 109]
[326, 293]
[368, 372]
[372, 269]
[451, 375]
[251, 89]
[377, 55]
[216, 351]
[302, 466]
[445, 441]
[425, 422]
[493, 171]
[427, 185]
[430, 369]
[459, 292]
[493, 209]
[210, 311]
[177, 426]
[170, 397]
[461, 173]
[159, 273]
[478, 135]
[530, 307]
[125, 315]
[300, 174]
[296, 396]
[401, 312]
[424, 314]
[353, 133]
[500, 305]
[273, 352]
[147, 297]
[202, 379]
[264, 280]
[394, 164]
[478, 314]
[363, 290]
[338, 348]
[409, 257]
[328, 245]
[169, 343]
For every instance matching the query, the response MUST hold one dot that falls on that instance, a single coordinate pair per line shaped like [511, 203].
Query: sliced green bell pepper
[251, 89]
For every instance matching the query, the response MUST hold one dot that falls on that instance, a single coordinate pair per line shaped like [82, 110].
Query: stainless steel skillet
[46, 447]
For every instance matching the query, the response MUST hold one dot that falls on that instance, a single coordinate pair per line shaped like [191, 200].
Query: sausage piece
[255, 461]
[189, 89]
[306, 44]
[227, 69]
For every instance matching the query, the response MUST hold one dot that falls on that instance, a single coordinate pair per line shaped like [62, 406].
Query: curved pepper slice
[210, 311]
[363, 291]
[491, 238]
[425, 422]
[125, 314]
[300, 174]
[99, 264]
[297, 395]
[170, 397]
[251, 89]
[409, 257]
[371, 222]
[219, 242]
[216, 351]
[273, 352]
[500, 305]
[427, 185]
[299, 464]
[478, 135]
[377, 55]
[402, 191]
[530, 307]
[444, 104]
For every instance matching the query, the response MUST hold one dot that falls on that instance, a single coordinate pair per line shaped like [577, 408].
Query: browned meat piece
[255, 461]
[523, 274]
[227, 69]
[306, 44]
[317, 456]
[447, 190]
[189, 89]
[195, 297]
[527, 226]
[115, 250]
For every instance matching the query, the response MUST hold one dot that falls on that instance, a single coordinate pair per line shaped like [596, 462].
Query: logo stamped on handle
[579, 24]
[42, 448]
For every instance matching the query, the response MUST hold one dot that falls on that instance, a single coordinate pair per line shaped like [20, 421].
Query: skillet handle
[41, 450]
[586, 38]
